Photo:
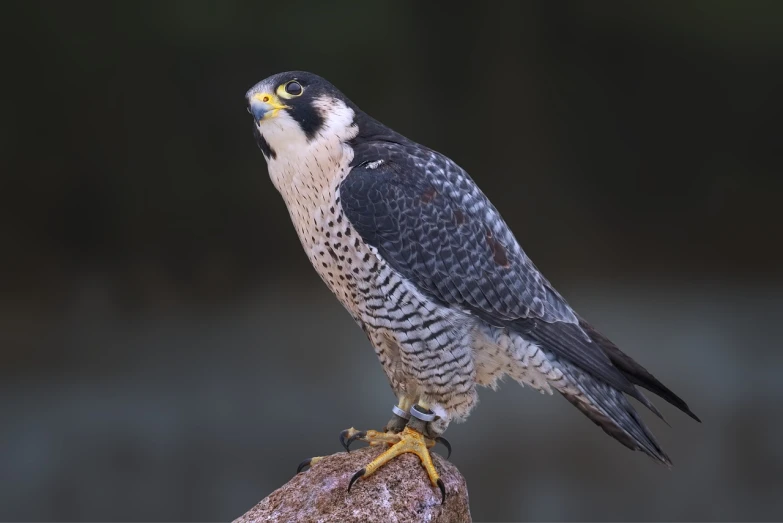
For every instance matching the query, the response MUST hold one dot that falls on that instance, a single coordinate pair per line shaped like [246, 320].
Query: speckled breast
[345, 263]
[310, 188]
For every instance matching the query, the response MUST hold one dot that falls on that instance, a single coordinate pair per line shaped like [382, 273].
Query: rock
[400, 491]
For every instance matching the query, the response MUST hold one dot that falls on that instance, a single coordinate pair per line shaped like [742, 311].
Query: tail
[608, 407]
[635, 373]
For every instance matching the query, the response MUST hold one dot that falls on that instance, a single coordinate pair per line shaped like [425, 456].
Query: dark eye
[293, 88]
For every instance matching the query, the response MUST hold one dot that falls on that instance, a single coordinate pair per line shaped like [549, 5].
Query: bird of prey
[431, 272]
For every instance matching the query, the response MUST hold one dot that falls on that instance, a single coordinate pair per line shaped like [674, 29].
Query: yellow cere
[272, 101]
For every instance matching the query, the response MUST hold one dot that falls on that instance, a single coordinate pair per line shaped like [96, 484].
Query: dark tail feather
[649, 404]
[636, 373]
[608, 408]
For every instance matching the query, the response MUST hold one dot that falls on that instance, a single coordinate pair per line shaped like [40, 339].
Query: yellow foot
[406, 441]
[374, 437]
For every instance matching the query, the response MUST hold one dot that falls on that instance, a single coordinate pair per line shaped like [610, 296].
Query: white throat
[299, 162]
[307, 172]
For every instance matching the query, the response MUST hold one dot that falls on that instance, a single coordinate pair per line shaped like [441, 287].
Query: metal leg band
[401, 413]
[423, 416]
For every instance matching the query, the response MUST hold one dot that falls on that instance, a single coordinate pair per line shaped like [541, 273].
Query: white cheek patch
[338, 118]
[283, 134]
[286, 137]
[307, 170]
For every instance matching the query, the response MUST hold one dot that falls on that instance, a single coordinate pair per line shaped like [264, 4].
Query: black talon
[342, 440]
[442, 488]
[303, 465]
[359, 475]
[443, 441]
[347, 442]
[356, 436]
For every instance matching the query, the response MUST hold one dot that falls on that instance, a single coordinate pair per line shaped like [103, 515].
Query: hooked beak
[264, 105]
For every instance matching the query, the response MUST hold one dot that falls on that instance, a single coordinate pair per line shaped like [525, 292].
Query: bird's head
[294, 109]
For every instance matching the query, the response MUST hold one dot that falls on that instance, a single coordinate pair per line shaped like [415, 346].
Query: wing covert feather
[432, 224]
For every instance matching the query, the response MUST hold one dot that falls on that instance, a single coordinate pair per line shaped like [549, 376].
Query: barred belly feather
[424, 348]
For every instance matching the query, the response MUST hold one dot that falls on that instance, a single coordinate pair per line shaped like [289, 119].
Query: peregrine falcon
[428, 268]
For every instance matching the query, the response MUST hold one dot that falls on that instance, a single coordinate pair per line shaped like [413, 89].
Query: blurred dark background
[169, 354]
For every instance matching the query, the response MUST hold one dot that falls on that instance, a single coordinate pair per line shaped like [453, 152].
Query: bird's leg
[389, 436]
[401, 415]
[410, 440]
[405, 433]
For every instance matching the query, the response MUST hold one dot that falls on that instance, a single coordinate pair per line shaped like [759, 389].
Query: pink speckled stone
[399, 492]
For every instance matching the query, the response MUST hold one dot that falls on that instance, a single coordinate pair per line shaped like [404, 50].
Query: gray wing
[432, 224]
